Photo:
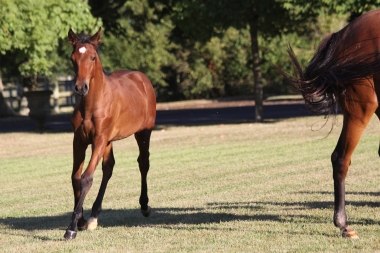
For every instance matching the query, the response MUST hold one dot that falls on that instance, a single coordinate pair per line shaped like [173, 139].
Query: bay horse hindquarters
[111, 107]
[346, 71]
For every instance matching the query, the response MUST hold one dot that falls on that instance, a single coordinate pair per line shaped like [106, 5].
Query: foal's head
[85, 59]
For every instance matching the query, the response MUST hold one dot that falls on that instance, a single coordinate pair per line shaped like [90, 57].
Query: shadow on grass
[348, 202]
[160, 216]
[214, 212]
[348, 193]
[309, 205]
[132, 217]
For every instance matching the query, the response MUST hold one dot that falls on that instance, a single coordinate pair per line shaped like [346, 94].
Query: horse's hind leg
[143, 140]
[341, 160]
[356, 117]
[107, 167]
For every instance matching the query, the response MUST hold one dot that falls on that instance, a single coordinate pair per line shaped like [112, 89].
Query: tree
[202, 20]
[111, 12]
[142, 36]
[225, 63]
[143, 45]
[31, 31]
[182, 64]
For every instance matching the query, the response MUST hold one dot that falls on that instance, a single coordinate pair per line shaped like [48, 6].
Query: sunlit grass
[222, 188]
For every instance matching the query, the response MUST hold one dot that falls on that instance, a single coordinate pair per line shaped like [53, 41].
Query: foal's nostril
[85, 88]
[81, 90]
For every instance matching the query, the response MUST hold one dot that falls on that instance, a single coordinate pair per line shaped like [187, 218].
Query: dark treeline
[204, 49]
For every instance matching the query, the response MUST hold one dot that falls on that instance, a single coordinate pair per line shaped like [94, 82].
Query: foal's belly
[126, 127]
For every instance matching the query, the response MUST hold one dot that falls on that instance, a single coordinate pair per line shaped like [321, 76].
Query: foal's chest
[85, 131]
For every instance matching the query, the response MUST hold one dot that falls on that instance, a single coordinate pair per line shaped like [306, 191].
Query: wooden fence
[63, 98]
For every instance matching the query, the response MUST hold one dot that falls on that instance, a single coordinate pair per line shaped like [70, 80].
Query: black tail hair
[326, 78]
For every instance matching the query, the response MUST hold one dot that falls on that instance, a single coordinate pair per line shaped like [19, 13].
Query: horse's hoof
[348, 232]
[92, 223]
[146, 212]
[69, 235]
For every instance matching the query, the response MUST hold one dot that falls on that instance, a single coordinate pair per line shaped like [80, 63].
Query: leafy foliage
[141, 43]
[188, 48]
[204, 19]
[227, 60]
[30, 31]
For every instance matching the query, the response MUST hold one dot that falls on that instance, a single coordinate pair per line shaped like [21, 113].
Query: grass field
[223, 188]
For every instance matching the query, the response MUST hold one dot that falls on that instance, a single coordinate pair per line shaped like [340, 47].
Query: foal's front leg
[84, 184]
[79, 153]
[107, 167]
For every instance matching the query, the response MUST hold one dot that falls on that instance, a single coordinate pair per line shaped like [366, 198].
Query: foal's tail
[327, 76]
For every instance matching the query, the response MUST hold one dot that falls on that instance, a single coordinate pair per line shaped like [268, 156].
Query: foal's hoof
[92, 223]
[348, 232]
[146, 212]
[69, 235]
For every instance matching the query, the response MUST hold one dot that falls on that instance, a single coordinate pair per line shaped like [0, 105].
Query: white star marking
[82, 50]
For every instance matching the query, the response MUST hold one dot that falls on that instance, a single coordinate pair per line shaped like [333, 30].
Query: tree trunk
[5, 110]
[256, 69]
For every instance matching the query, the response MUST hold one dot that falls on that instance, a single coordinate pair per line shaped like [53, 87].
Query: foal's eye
[93, 58]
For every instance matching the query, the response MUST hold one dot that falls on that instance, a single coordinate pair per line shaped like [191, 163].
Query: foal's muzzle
[82, 91]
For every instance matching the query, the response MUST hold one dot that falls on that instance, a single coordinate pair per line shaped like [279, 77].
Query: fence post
[56, 96]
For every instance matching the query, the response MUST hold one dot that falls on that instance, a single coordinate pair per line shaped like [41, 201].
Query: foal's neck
[97, 91]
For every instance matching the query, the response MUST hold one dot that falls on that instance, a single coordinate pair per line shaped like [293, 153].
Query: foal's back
[362, 35]
[132, 102]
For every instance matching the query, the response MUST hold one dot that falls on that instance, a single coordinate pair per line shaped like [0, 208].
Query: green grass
[223, 188]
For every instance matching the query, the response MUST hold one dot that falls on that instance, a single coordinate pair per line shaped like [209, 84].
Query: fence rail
[63, 98]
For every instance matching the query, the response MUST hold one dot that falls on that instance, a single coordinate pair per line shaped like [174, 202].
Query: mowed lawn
[221, 188]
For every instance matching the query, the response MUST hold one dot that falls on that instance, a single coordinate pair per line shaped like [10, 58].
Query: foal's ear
[95, 39]
[73, 39]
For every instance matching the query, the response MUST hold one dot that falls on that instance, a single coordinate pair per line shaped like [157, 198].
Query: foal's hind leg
[143, 139]
[107, 167]
[356, 117]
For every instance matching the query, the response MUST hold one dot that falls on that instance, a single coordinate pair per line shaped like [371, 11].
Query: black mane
[84, 39]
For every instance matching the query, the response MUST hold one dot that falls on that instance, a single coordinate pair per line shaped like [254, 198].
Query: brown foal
[111, 107]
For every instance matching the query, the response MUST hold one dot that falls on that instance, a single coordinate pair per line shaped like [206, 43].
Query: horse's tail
[327, 76]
